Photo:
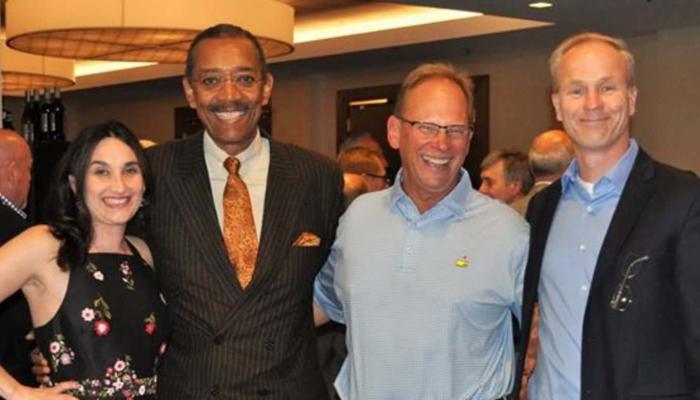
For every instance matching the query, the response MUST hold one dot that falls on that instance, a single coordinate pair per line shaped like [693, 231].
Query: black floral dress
[110, 330]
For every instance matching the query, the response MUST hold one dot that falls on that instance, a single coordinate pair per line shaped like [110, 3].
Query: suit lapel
[191, 190]
[283, 198]
[541, 222]
[632, 201]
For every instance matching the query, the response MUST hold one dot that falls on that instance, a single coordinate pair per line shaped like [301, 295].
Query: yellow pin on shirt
[462, 262]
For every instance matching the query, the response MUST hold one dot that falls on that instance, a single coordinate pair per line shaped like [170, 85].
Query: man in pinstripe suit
[228, 341]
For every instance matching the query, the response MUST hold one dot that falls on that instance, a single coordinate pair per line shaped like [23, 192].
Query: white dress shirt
[255, 164]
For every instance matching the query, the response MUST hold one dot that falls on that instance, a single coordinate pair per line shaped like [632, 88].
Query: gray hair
[515, 167]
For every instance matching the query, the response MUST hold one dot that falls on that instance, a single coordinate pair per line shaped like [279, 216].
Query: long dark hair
[69, 219]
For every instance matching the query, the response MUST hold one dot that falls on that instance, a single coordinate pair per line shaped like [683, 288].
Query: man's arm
[326, 303]
[320, 317]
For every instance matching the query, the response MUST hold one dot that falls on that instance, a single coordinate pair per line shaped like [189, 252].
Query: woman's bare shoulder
[142, 248]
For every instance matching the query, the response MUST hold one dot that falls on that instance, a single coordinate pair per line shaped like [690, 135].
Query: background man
[427, 293]
[505, 175]
[549, 155]
[364, 140]
[15, 322]
[366, 163]
[232, 338]
[614, 257]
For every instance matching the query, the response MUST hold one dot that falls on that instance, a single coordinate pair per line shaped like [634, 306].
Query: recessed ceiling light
[541, 4]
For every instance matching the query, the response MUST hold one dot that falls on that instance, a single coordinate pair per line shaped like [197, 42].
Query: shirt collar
[615, 176]
[216, 153]
[4, 200]
[453, 202]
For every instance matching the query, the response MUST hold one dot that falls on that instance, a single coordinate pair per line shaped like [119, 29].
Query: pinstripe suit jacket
[229, 343]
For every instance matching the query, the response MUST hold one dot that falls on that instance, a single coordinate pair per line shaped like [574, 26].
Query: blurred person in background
[15, 322]
[505, 175]
[550, 153]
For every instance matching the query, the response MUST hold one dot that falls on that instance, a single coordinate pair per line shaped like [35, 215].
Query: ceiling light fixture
[136, 30]
[368, 102]
[540, 4]
[22, 71]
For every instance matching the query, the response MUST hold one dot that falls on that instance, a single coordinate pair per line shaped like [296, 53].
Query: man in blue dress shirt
[427, 272]
[615, 257]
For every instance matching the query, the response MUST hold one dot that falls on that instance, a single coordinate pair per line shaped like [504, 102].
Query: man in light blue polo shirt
[427, 272]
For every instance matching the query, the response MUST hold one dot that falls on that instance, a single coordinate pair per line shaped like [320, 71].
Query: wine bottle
[45, 112]
[7, 119]
[36, 115]
[57, 116]
[27, 125]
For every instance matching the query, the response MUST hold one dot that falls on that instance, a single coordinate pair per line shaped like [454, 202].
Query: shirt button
[214, 391]
[582, 247]
[584, 288]
[589, 209]
[218, 339]
[269, 345]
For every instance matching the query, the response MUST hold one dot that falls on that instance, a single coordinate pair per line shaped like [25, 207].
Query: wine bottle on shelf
[36, 116]
[45, 112]
[7, 122]
[58, 116]
[27, 125]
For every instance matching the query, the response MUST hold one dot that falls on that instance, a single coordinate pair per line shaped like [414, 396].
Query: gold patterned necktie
[239, 226]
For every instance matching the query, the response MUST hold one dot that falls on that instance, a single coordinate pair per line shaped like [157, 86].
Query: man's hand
[320, 317]
[531, 356]
[41, 368]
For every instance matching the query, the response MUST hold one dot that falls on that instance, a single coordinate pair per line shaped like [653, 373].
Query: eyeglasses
[214, 81]
[432, 129]
[384, 178]
[622, 297]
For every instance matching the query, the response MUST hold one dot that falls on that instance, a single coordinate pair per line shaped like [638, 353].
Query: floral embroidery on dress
[149, 324]
[61, 354]
[119, 378]
[95, 272]
[127, 275]
[99, 315]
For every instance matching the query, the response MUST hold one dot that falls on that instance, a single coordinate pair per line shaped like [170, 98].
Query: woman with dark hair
[99, 318]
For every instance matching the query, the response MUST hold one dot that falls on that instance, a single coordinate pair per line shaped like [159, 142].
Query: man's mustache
[230, 106]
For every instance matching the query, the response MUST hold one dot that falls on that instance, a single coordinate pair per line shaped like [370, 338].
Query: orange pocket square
[307, 239]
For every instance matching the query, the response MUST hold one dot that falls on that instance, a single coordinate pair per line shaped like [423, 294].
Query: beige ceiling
[315, 11]
[512, 20]
[302, 7]
[310, 12]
